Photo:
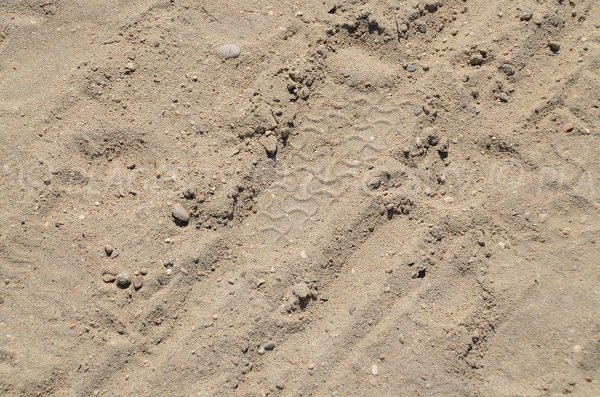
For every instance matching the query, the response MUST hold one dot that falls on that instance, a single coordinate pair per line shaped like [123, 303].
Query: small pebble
[411, 68]
[144, 271]
[269, 345]
[138, 281]
[444, 144]
[568, 127]
[554, 46]
[108, 278]
[123, 279]
[108, 249]
[304, 93]
[180, 213]
[477, 60]
[189, 193]
[229, 51]
[374, 370]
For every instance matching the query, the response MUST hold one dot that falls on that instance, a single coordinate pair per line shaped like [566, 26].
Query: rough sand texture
[385, 198]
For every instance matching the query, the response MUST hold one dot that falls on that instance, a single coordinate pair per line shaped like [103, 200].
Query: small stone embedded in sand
[130, 67]
[554, 46]
[269, 345]
[108, 277]
[431, 7]
[144, 271]
[304, 93]
[180, 213]
[270, 144]
[108, 249]
[411, 68]
[189, 193]
[228, 51]
[444, 145]
[374, 370]
[138, 281]
[526, 16]
[476, 60]
[123, 279]
[568, 127]
[432, 136]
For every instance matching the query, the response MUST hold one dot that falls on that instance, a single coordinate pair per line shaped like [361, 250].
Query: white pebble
[375, 370]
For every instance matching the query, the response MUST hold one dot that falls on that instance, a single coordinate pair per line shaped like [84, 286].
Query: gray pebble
[269, 345]
[130, 67]
[477, 60]
[526, 16]
[411, 68]
[123, 279]
[304, 92]
[507, 69]
[444, 145]
[432, 136]
[414, 15]
[180, 213]
[431, 7]
[374, 183]
[189, 193]
[138, 281]
[554, 46]
[229, 51]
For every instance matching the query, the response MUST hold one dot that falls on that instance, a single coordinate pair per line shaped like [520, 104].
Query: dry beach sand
[299, 198]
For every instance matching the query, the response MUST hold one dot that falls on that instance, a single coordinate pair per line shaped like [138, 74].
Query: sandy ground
[385, 198]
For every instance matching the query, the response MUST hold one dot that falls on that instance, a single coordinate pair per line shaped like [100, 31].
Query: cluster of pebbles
[124, 279]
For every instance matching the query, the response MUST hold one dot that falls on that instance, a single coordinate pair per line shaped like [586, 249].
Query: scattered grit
[319, 198]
